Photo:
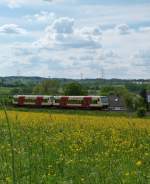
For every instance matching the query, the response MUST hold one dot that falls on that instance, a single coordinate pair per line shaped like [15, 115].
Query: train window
[57, 100]
[45, 100]
[51, 98]
[75, 101]
[30, 100]
[95, 101]
[104, 99]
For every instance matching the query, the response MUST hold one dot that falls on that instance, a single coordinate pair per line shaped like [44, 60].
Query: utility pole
[81, 75]
[102, 73]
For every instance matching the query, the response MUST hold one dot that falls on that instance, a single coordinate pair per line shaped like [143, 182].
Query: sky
[75, 38]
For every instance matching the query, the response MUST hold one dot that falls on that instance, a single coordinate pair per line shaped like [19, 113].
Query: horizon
[59, 78]
[55, 39]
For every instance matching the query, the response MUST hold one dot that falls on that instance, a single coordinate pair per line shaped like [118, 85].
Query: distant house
[148, 99]
[148, 96]
[116, 103]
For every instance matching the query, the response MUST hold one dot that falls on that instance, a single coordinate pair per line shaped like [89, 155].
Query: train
[85, 102]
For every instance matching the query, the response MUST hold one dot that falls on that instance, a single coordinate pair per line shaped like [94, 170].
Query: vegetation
[55, 148]
[141, 112]
[47, 87]
[133, 92]
[74, 89]
[143, 94]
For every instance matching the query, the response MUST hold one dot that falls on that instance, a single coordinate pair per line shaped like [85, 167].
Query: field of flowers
[52, 148]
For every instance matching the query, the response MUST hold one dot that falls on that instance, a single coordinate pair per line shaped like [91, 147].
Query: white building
[148, 97]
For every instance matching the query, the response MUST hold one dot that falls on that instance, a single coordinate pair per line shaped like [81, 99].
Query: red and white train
[98, 102]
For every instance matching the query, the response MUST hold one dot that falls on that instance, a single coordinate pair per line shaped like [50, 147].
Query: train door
[64, 101]
[86, 102]
[21, 100]
[39, 100]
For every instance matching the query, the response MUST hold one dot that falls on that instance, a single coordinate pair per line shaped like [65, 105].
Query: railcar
[32, 100]
[61, 101]
[80, 101]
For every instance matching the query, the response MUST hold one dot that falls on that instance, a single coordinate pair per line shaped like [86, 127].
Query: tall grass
[10, 135]
[72, 149]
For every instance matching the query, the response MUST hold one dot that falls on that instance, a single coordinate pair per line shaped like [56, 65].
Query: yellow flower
[82, 179]
[127, 174]
[139, 163]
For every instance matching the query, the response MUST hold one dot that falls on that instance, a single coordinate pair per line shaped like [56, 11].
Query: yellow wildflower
[139, 163]
[127, 174]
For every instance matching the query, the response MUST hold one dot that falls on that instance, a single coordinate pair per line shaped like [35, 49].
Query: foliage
[78, 149]
[135, 88]
[141, 112]
[5, 100]
[143, 94]
[138, 102]
[74, 88]
[47, 87]
[120, 91]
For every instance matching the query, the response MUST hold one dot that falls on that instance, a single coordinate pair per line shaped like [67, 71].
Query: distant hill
[13, 81]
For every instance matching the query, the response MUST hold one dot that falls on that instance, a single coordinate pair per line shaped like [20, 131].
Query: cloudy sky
[64, 38]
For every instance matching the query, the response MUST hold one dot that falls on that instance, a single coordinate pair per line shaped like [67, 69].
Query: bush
[141, 112]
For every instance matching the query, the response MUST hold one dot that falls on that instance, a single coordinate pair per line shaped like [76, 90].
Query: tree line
[134, 94]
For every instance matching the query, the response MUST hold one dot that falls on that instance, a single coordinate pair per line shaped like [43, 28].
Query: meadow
[76, 148]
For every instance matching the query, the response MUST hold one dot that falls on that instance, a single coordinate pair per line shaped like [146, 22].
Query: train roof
[47, 96]
[32, 96]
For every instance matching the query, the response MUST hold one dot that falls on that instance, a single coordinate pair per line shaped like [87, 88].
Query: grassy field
[73, 148]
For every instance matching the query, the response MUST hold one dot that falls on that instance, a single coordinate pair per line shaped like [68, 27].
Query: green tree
[120, 91]
[143, 94]
[47, 87]
[138, 102]
[74, 88]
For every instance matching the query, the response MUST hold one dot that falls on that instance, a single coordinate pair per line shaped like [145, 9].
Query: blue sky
[64, 38]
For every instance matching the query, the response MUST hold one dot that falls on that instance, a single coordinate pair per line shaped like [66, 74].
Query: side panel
[64, 101]
[86, 102]
[75, 101]
[21, 100]
[96, 103]
[39, 100]
[56, 101]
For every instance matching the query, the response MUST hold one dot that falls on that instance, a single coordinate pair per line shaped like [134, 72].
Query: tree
[74, 88]
[143, 94]
[117, 90]
[138, 102]
[120, 91]
[47, 87]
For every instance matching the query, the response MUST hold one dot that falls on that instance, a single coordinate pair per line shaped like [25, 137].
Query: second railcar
[80, 101]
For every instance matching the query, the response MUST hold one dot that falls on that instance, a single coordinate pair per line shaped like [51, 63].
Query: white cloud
[12, 29]
[62, 34]
[142, 58]
[123, 29]
[42, 17]
[63, 25]
[19, 3]
[16, 3]
[95, 31]
[70, 46]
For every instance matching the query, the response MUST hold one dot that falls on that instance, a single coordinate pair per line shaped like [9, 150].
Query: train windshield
[104, 99]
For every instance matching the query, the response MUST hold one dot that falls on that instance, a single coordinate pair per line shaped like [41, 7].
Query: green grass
[72, 151]
[78, 112]
[5, 90]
